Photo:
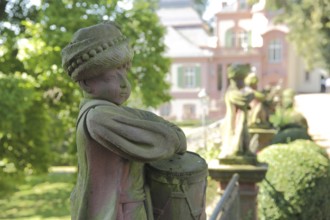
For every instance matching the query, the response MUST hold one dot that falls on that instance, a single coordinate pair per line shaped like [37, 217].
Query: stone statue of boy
[113, 141]
[260, 105]
[235, 135]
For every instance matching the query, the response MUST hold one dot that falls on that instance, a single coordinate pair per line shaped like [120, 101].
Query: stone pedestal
[262, 137]
[249, 176]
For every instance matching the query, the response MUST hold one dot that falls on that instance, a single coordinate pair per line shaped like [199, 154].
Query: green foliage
[212, 151]
[39, 102]
[296, 186]
[23, 129]
[140, 23]
[280, 118]
[188, 123]
[287, 116]
[17, 95]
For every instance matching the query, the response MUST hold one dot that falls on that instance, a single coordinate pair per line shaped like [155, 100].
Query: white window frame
[238, 39]
[275, 49]
[243, 4]
[232, 36]
[189, 77]
[243, 39]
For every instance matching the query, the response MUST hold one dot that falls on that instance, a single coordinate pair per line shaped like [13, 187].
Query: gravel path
[316, 109]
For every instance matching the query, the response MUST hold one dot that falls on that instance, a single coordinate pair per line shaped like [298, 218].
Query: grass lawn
[47, 197]
[41, 197]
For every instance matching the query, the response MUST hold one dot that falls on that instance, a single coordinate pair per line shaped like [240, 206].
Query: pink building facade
[242, 34]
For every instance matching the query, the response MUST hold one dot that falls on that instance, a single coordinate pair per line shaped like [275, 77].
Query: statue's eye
[110, 77]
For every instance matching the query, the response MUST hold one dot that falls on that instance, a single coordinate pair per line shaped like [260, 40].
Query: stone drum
[178, 187]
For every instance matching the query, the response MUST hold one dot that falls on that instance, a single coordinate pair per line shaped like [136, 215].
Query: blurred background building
[242, 34]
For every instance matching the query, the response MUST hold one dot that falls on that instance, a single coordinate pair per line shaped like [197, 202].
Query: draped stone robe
[235, 136]
[113, 144]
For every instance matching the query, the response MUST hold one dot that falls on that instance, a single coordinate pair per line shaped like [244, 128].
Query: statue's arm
[132, 136]
[260, 96]
[239, 99]
[149, 116]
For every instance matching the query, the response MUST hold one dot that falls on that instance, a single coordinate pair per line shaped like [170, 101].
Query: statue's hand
[239, 99]
[249, 97]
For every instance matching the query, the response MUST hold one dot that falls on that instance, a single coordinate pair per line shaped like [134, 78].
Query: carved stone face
[112, 86]
[240, 83]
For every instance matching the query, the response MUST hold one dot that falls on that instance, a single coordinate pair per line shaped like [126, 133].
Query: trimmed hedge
[290, 133]
[296, 186]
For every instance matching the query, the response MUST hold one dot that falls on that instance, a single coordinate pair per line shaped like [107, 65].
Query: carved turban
[251, 79]
[94, 50]
[238, 71]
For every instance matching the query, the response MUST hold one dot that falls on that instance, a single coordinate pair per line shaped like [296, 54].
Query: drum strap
[148, 202]
[195, 213]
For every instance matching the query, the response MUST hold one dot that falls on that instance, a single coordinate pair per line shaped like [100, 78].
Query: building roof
[182, 16]
[271, 27]
[185, 30]
[179, 46]
[197, 36]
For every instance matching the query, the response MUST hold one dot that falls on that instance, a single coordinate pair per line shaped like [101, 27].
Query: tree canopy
[39, 102]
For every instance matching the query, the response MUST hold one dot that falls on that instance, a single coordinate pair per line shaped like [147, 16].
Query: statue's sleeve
[133, 135]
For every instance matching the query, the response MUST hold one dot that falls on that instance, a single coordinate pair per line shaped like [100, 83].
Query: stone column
[249, 176]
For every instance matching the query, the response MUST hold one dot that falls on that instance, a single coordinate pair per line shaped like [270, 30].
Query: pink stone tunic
[113, 143]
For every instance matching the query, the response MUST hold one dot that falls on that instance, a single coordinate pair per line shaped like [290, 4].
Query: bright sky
[35, 2]
[212, 8]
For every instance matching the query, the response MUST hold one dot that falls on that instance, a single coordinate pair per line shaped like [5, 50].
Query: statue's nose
[123, 81]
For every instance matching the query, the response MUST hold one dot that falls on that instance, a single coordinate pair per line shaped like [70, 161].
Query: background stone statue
[235, 135]
[260, 105]
[273, 96]
[291, 124]
[113, 141]
[287, 114]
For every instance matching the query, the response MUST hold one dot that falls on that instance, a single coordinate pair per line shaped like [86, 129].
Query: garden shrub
[24, 130]
[296, 186]
[290, 133]
[291, 126]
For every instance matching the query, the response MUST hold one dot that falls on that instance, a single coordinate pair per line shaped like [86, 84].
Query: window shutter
[180, 77]
[228, 39]
[198, 76]
[219, 80]
[250, 39]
